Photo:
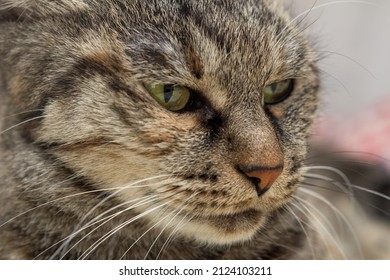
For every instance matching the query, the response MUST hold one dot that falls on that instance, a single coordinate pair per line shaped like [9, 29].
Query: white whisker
[119, 189]
[371, 192]
[288, 25]
[340, 214]
[305, 211]
[170, 238]
[170, 221]
[331, 235]
[316, 7]
[329, 180]
[144, 201]
[331, 226]
[93, 222]
[116, 229]
[354, 61]
[291, 211]
[334, 170]
[24, 112]
[21, 123]
[78, 194]
[346, 180]
[141, 236]
[339, 82]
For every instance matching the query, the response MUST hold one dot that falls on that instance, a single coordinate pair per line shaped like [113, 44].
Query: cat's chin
[225, 229]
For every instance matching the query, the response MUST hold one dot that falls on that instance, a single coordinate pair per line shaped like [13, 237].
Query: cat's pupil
[170, 96]
[168, 92]
[274, 87]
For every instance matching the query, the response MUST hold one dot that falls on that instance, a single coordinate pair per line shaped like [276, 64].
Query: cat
[155, 130]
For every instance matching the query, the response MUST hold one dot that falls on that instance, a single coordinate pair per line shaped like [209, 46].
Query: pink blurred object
[364, 136]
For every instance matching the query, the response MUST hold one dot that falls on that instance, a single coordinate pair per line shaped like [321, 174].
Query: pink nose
[265, 176]
[262, 177]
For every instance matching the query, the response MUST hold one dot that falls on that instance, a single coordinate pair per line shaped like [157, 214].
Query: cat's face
[215, 168]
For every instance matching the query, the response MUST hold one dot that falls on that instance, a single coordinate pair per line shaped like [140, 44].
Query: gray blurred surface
[355, 38]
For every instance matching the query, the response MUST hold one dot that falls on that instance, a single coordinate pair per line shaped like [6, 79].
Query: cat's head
[201, 108]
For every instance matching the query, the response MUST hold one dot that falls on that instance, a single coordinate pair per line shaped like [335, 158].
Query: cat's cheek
[110, 167]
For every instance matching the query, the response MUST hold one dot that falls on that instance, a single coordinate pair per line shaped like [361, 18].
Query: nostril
[256, 182]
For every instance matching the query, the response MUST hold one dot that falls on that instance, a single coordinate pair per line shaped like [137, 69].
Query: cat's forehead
[191, 37]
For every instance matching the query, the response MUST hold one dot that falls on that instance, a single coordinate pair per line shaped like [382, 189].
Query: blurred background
[353, 39]
[352, 134]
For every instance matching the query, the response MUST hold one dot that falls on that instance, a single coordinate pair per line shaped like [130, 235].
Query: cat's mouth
[237, 221]
[228, 228]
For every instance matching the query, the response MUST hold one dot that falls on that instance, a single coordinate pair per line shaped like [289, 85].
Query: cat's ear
[15, 10]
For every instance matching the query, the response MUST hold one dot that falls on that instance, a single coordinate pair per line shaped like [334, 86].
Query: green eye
[170, 96]
[277, 92]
